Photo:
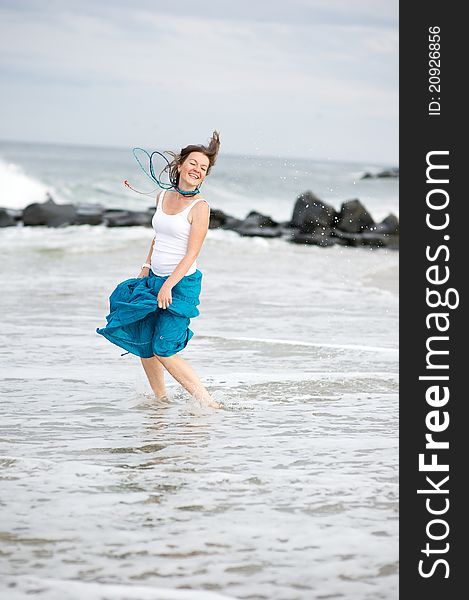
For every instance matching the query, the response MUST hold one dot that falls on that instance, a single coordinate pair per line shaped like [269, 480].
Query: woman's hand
[164, 296]
[143, 272]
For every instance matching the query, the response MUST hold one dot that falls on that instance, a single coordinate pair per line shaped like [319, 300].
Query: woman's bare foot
[210, 403]
[182, 371]
[205, 399]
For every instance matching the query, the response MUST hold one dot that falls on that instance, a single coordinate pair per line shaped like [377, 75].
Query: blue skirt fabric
[137, 324]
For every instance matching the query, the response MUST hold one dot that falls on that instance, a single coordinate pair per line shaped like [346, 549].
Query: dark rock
[308, 201]
[320, 237]
[89, 214]
[392, 241]
[257, 224]
[16, 214]
[50, 214]
[346, 239]
[266, 232]
[318, 216]
[6, 219]
[217, 218]
[259, 220]
[388, 225]
[354, 217]
[393, 172]
[286, 230]
[231, 223]
[368, 238]
[126, 218]
[379, 240]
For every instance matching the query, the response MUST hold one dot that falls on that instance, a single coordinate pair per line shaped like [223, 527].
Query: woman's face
[194, 169]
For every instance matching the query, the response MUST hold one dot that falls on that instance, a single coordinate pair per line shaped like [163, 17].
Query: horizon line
[228, 154]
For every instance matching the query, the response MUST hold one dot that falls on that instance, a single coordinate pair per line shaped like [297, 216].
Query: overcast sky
[296, 78]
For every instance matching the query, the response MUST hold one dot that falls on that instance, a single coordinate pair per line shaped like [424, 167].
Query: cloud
[193, 60]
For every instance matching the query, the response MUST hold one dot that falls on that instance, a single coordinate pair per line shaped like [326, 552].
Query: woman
[150, 314]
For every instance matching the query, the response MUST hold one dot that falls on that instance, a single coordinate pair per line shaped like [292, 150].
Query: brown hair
[210, 151]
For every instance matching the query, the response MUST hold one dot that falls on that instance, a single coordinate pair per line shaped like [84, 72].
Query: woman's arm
[199, 228]
[145, 271]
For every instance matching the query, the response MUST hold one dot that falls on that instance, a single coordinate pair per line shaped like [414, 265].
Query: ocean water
[288, 492]
[237, 184]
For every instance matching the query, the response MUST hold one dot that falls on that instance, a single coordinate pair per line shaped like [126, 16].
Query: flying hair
[171, 168]
[210, 151]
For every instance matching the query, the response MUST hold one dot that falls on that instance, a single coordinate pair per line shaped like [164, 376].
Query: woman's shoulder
[204, 204]
[199, 211]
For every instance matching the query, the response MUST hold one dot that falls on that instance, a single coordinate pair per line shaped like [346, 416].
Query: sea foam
[19, 189]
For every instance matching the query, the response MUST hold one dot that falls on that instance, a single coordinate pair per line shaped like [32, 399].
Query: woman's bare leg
[182, 371]
[155, 373]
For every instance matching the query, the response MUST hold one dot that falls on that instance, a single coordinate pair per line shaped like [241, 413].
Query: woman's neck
[189, 190]
[185, 188]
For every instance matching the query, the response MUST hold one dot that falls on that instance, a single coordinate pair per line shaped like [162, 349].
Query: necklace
[184, 193]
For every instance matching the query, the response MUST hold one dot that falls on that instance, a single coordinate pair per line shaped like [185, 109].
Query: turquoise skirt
[136, 324]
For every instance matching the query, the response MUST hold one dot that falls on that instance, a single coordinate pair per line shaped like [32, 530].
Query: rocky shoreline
[312, 222]
[392, 173]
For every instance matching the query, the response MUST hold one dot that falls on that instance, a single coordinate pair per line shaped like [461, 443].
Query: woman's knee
[150, 360]
[165, 360]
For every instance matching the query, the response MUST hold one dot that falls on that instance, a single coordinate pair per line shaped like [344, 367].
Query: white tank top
[171, 238]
